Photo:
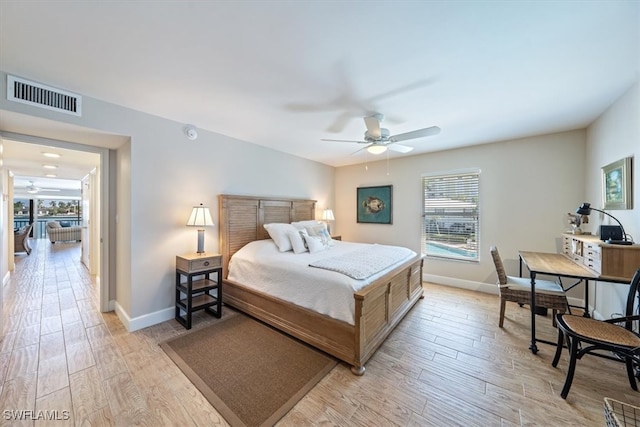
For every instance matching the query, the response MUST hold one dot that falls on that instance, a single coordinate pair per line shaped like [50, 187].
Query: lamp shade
[327, 215]
[584, 209]
[200, 217]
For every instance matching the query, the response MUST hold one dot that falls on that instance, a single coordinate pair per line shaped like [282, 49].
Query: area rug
[251, 373]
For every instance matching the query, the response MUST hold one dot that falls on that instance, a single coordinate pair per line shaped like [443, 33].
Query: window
[450, 219]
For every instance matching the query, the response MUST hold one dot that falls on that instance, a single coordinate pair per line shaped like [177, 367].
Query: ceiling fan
[32, 189]
[379, 139]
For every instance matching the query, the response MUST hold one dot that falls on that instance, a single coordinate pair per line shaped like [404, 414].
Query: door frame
[107, 198]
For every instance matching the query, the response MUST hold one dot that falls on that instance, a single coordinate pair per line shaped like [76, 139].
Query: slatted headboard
[241, 219]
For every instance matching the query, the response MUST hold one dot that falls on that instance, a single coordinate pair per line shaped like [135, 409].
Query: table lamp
[200, 217]
[327, 215]
[585, 209]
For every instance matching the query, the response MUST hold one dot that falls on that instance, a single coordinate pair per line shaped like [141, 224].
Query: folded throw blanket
[364, 263]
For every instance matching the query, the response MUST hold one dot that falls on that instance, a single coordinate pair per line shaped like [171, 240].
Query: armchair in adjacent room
[58, 233]
[21, 240]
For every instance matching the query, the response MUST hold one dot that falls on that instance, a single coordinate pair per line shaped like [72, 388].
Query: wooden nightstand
[202, 293]
[338, 237]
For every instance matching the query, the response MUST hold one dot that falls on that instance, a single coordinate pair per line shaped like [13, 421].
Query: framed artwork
[375, 204]
[616, 185]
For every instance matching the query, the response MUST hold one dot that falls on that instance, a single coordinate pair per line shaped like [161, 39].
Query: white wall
[613, 136]
[160, 176]
[527, 187]
[172, 174]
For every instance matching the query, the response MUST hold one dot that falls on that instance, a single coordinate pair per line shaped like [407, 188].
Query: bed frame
[379, 307]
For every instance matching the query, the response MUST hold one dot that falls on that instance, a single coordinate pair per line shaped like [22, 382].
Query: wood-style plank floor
[446, 364]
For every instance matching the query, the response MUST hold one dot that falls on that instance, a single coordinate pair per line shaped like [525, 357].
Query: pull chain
[387, 162]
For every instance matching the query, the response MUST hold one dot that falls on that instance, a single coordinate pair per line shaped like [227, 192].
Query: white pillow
[297, 240]
[301, 225]
[278, 232]
[316, 243]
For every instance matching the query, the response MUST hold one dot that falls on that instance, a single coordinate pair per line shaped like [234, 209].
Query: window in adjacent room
[451, 218]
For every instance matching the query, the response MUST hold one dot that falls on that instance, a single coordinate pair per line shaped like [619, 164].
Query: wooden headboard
[241, 219]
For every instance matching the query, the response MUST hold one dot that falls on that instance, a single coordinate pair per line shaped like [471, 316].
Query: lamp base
[200, 242]
[619, 242]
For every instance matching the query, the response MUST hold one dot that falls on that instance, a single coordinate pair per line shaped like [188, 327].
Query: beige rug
[251, 373]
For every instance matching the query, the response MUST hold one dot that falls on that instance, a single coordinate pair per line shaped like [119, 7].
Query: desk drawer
[577, 258]
[594, 263]
[592, 251]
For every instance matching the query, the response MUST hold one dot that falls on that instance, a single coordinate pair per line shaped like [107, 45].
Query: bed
[377, 308]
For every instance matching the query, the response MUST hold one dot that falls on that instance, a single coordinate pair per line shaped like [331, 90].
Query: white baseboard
[487, 288]
[140, 322]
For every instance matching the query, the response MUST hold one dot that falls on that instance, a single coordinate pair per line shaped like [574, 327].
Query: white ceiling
[285, 74]
[26, 161]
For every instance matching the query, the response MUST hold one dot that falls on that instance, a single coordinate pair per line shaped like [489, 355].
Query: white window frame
[451, 217]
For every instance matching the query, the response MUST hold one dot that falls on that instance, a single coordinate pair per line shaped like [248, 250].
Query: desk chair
[518, 289]
[620, 336]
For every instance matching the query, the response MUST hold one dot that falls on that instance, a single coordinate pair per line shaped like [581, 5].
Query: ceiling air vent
[39, 95]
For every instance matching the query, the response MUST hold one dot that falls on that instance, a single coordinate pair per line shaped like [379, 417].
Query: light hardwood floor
[446, 364]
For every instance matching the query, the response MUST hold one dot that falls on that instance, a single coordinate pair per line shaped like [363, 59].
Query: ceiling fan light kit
[379, 139]
[376, 149]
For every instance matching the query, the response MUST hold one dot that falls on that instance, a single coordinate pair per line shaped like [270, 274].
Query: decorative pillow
[316, 244]
[54, 224]
[278, 232]
[65, 223]
[322, 232]
[297, 241]
[301, 225]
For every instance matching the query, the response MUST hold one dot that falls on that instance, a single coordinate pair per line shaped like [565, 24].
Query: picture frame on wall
[375, 204]
[616, 185]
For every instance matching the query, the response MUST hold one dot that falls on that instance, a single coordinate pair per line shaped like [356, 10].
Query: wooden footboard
[379, 308]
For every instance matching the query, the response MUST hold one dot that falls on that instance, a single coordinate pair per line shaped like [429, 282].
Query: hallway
[64, 360]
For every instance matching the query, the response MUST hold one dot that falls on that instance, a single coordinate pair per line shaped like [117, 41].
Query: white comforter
[287, 276]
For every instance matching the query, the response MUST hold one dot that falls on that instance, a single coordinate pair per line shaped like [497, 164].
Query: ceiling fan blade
[363, 148]
[340, 123]
[433, 130]
[344, 140]
[48, 189]
[399, 148]
[412, 86]
[373, 126]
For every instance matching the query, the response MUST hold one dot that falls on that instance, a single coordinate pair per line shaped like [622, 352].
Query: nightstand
[198, 286]
[338, 237]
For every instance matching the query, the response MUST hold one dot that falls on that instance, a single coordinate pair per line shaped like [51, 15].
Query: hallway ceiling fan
[379, 139]
[32, 189]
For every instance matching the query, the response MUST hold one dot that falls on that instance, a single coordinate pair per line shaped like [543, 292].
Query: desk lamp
[200, 217]
[585, 209]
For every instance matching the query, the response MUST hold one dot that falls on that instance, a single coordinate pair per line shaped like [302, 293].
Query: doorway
[98, 197]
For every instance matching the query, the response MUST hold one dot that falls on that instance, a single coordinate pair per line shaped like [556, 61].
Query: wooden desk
[558, 265]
